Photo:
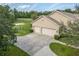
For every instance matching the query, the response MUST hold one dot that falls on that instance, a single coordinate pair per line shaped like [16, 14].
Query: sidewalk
[45, 52]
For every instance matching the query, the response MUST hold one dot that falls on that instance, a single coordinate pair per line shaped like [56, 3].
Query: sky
[41, 6]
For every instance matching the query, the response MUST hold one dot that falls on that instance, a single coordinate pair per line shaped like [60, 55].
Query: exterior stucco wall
[60, 18]
[44, 22]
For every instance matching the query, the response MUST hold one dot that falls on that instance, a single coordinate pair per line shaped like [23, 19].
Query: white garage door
[48, 32]
[37, 30]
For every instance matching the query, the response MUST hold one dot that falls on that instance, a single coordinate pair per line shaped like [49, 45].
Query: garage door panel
[37, 30]
[49, 32]
[45, 31]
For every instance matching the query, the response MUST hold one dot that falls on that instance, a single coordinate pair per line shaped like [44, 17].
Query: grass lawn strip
[15, 51]
[63, 50]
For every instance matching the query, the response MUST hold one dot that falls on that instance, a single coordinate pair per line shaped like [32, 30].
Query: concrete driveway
[32, 43]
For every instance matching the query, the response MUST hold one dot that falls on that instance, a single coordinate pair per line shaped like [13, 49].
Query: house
[49, 25]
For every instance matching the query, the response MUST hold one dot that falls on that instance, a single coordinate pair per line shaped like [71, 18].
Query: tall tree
[77, 8]
[7, 33]
[68, 10]
[15, 13]
[34, 15]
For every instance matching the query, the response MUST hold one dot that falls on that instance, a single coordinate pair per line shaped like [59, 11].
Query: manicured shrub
[56, 37]
[31, 30]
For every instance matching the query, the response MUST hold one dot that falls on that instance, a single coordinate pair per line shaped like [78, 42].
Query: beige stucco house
[49, 25]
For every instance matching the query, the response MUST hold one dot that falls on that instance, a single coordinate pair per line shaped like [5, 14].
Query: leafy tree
[77, 8]
[68, 10]
[34, 15]
[46, 12]
[15, 13]
[7, 33]
[30, 14]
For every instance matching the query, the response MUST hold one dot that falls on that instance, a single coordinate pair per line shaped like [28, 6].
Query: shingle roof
[48, 18]
[53, 20]
[72, 15]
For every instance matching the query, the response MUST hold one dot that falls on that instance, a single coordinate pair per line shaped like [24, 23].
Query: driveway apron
[33, 42]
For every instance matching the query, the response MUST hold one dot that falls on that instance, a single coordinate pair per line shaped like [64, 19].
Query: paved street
[32, 43]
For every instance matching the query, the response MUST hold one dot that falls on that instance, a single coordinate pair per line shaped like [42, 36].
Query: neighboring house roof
[48, 18]
[74, 16]
[71, 16]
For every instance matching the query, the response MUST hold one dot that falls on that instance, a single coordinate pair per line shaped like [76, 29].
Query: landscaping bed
[63, 50]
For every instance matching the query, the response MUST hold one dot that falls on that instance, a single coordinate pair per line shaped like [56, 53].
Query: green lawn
[15, 51]
[23, 26]
[62, 50]
[24, 19]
